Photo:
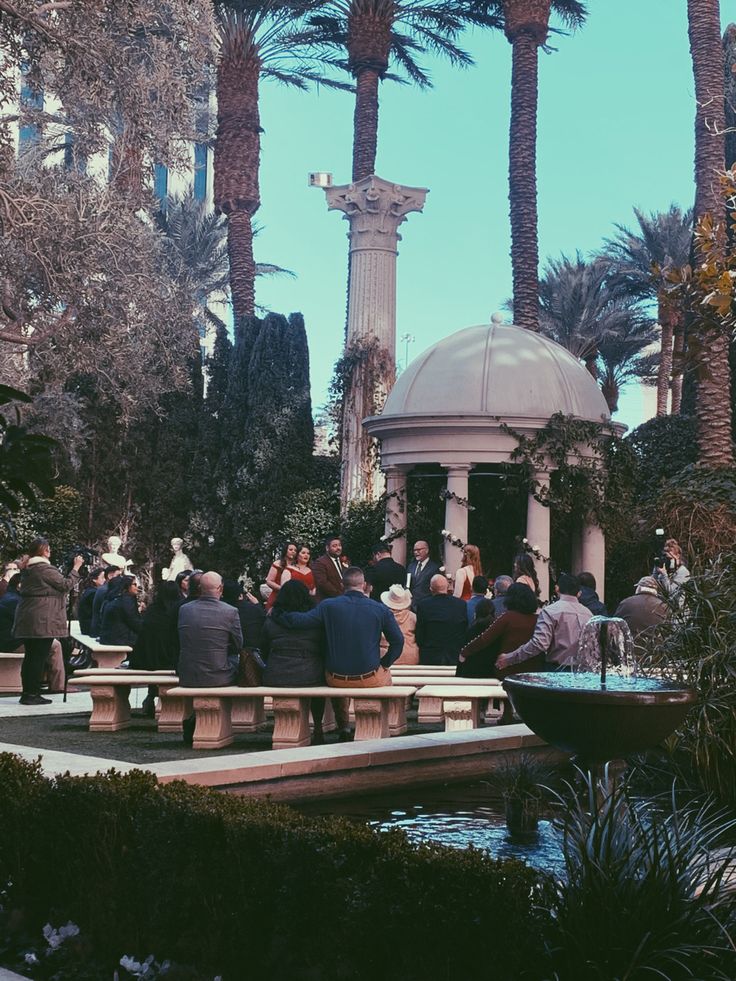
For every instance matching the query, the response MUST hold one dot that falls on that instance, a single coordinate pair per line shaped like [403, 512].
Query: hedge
[247, 888]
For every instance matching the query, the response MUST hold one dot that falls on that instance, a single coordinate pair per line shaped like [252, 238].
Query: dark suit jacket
[326, 578]
[420, 584]
[441, 625]
[383, 575]
[210, 638]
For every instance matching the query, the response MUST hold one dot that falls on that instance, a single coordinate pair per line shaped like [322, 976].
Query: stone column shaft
[396, 511]
[593, 555]
[456, 515]
[538, 534]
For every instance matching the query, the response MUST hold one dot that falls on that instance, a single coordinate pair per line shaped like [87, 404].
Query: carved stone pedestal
[248, 714]
[371, 718]
[110, 708]
[291, 722]
[213, 728]
[461, 713]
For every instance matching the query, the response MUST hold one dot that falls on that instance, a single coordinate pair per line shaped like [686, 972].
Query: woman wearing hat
[398, 600]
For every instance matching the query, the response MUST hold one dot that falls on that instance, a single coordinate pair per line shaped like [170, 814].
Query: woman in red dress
[273, 579]
[302, 571]
[467, 572]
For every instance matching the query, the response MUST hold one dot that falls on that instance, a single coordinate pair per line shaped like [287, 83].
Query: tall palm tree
[582, 308]
[378, 34]
[527, 26]
[644, 261]
[713, 404]
[257, 39]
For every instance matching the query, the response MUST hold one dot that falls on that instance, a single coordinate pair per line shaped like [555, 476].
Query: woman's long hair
[471, 557]
[293, 598]
[524, 566]
[283, 557]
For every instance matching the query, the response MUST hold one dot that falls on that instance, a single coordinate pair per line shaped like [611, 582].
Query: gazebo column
[593, 554]
[396, 511]
[456, 515]
[538, 532]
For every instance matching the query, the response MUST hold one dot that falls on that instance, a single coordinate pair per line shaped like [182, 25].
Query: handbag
[82, 660]
[250, 672]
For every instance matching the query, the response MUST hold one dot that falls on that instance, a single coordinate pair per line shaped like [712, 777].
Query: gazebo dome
[496, 370]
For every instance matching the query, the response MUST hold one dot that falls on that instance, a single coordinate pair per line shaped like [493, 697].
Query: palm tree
[583, 309]
[713, 404]
[644, 261]
[526, 24]
[257, 39]
[378, 34]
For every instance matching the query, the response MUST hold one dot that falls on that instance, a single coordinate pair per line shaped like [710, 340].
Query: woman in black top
[157, 645]
[88, 590]
[121, 621]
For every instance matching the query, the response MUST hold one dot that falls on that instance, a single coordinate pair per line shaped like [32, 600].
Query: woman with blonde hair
[467, 572]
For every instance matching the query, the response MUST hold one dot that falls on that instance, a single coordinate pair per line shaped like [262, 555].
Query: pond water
[457, 815]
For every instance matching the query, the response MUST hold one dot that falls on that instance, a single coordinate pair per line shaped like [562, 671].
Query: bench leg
[213, 727]
[248, 713]
[174, 709]
[108, 659]
[430, 710]
[291, 722]
[329, 723]
[10, 682]
[371, 718]
[494, 711]
[461, 713]
[397, 716]
[110, 708]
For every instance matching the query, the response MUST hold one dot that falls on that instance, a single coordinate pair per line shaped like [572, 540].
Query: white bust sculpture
[179, 561]
[113, 556]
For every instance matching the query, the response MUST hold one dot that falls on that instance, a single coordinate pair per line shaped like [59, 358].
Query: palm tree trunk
[523, 180]
[678, 356]
[127, 166]
[713, 405]
[610, 391]
[666, 321]
[242, 264]
[365, 123]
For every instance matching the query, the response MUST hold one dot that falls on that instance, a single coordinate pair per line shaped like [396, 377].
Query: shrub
[249, 888]
[663, 447]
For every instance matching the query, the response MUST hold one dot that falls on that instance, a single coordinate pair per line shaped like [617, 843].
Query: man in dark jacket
[111, 572]
[210, 638]
[384, 573]
[328, 570]
[645, 610]
[442, 622]
[588, 595]
[421, 571]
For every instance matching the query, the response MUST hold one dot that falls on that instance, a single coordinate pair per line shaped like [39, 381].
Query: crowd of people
[316, 622]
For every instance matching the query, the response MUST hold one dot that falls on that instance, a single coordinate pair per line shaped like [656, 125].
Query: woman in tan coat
[398, 600]
[41, 615]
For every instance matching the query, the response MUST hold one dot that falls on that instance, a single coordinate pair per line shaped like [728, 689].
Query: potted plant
[519, 781]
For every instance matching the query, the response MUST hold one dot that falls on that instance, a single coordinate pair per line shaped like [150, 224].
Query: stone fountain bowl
[573, 712]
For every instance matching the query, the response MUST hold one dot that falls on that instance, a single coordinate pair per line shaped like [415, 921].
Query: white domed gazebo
[448, 408]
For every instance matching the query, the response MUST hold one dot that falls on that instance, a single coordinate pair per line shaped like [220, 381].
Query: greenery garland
[448, 495]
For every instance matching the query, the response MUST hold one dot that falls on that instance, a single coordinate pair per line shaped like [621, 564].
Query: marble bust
[180, 562]
[113, 556]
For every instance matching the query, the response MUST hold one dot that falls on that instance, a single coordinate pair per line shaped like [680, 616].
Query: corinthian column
[374, 208]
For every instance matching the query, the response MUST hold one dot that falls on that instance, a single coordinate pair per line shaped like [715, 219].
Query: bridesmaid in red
[467, 572]
[273, 579]
[302, 571]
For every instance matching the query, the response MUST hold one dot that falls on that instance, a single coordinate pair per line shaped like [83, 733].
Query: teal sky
[616, 111]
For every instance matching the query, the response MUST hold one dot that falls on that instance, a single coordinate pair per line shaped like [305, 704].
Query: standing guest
[301, 571]
[353, 626]
[469, 569]
[121, 621]
[525, 572]
[484, 617]
[252, 614]
[273, 579]
[673, 573]
[500, 588]
[420, 573]
[156, 647]
[295, 658]
[329, 570]
[588, 595]
[480, 588]
[87, 592]
[112, 572]
[384, 572]
[41, 615]
[512, 629]
[557, 632]
[442, 621]
[645, 610]
[398, 600]
[10, 569]
[54, 668]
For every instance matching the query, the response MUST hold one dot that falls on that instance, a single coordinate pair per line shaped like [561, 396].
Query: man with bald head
[420, 573]
[210, 638]
[442, 621]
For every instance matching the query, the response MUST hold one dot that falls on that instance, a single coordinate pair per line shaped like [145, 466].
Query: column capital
[396, 469]
[375, 208]
[458, 468]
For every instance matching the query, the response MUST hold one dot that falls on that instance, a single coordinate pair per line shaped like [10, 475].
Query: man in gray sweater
[210, 638]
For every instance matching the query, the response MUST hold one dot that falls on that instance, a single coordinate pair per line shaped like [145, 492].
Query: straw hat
[397, 598]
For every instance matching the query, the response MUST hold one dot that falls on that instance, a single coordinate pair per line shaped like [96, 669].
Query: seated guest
[480, 588]
[193, 585]
[384, 572]
[87, 593]
[588, 595]
[506, 633]
[484, 617]
[210, 638]
[500, 588]
[112, 572]
[398, 600]
[10, 569]
[251, 612]
[156, 647]
[121, 621]
[295, 658]
[182, 583]
[644, 611]
[441, 624]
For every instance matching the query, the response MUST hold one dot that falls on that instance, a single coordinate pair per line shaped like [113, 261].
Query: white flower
[70, 930]
[534, 548]
[524, 541]
[30, 958]
[445, 532]
[131, 965]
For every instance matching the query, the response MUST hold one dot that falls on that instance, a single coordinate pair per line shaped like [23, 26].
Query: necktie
[338, 567]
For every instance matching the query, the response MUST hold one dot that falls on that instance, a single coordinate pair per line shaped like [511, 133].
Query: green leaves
[26, 461]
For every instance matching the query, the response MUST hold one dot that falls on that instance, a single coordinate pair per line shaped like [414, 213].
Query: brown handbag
[250, 673]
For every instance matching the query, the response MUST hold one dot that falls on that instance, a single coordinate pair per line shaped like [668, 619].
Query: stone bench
[459, 704]
[110, 693]
[214, 723]
[10, 664]
[106, 655]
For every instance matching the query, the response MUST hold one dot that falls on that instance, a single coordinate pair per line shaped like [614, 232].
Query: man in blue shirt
[353, 625]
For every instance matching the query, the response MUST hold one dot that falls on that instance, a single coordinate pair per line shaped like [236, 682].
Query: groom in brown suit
[328, 570]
